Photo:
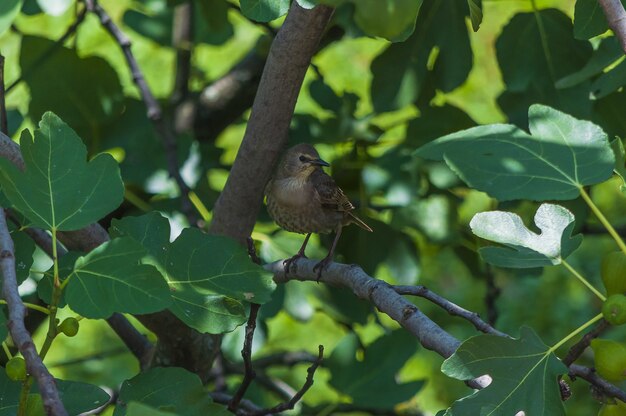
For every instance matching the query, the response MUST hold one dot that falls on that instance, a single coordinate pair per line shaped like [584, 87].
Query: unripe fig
[614, 309]
[69, 326]
[610, 359]
[618, 409]
[614, 273]
[16, 369]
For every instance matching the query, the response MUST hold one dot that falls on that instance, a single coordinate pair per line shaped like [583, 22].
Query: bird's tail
[356, 220]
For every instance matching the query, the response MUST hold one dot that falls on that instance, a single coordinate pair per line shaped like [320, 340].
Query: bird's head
[301, 160]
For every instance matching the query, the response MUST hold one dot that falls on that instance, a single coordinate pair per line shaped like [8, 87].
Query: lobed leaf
[561, 155]
[524, 376]
[526, 249]
[111, 279]
[60, 190]
[264, 10]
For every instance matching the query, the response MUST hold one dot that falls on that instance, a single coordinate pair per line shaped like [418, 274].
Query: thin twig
[616, 18]
[246, 405]
[154, 111]
[246, 353]
[4, 125]
[588, 374]
[17, 311]
[451, 308]
[577, 349]
[296, 397]
[80, 17]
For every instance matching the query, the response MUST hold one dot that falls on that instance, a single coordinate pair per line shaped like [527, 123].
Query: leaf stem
[603, 220]
[583, 280]
[576, 332]
[30, 306]
[5, 347]
[199, 206]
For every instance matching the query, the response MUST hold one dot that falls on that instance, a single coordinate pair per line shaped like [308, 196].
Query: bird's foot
[289, 262]
[321, 266]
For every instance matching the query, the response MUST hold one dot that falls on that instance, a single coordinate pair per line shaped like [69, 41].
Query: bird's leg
[329, 257]
[287, 263]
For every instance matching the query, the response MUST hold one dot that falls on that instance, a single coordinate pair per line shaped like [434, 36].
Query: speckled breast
[303, 219]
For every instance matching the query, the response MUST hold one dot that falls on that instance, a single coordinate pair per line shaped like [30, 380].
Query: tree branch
[577, 349]
[616, 18]
[246, 353]
[182, 40]
[154, 111]
[236, 209]
[17, 311]
[588, 374]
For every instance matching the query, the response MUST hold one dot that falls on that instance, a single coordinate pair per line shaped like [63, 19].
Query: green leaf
[216, 264]
[58, 83]
[169, 389]
[66, 267]
[77, 397]
[476, 13]
[562, 155]
[607, 52]
[264, 10]
[4, 330]
[520, 368]
[526, 248]
[391, 19]
[138, 409]
[210, 312]
[24, 249]
[609, 81]
[111, 279]
[530, 77]
[372, 382]
[589, 19]
[8, 10]
[400, 71]
[59, 189]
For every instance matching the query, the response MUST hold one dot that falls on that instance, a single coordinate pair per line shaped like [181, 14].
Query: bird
[304, 199]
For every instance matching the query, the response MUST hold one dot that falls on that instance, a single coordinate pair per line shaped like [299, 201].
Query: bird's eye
[303, 158]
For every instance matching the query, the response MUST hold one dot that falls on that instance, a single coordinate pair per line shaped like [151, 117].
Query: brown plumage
[303, 199]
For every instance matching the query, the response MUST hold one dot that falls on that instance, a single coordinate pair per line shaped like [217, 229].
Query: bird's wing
[328, 193]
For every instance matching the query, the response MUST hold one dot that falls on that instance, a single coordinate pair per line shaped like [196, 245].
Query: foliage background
[419, 211]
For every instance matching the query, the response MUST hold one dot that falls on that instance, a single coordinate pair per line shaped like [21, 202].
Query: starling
[302, 198]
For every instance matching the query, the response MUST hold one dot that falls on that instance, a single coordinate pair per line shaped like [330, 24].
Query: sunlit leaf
[391, 19]
[59, 189]
[476, 13]
[527, 249]
[607, 52]
[8, 10]
[111, 279]
[520, 368]
[561, 155]
[55, 7]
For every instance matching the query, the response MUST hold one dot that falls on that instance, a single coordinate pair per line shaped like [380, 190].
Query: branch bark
[236, 209]
[616, 18]
[17, 311]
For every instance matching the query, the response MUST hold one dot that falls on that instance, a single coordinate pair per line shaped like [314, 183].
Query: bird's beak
[319, 162]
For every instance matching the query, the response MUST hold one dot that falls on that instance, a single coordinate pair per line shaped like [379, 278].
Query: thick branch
[380, 293]
[236, 209]
[616, 17]
[17, 311]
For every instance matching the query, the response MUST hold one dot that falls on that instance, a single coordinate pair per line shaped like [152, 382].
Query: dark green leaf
[151, 230]
[84, 92]
[372, 382]
[530, 77]
[620, 160]
[168, 389]
[138, 409]
[8, 10]
[66, 267]
[59, 189]
[520, 368]
[607, 52]
[589, 19]
[264, 10]
[216, 264]
[4, 332]
[111, 279]
[609, 82]
[441, 25]
[24, 249]
[435, 122]
[14, 121]
[476, 13]
[562, 155]
[527, 249]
